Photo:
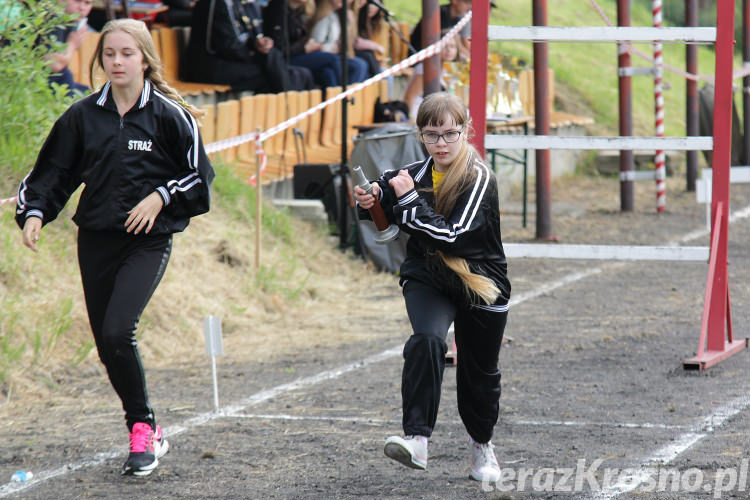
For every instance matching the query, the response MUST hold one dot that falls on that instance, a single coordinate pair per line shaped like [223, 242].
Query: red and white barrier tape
[12, 199]
[263, 161]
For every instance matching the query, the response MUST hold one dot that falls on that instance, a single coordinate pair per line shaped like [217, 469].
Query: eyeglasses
[449, 136]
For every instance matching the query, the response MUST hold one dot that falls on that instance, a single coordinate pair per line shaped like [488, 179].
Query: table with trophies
[505, 110]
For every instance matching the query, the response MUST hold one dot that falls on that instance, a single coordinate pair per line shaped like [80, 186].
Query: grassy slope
[292, 298]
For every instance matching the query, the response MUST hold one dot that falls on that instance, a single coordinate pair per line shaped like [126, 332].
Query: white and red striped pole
[659, 158]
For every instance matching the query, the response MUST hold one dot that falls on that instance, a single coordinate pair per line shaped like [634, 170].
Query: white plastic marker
[214, 347]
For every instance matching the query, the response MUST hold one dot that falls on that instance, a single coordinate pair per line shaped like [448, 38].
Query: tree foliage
[30, 105]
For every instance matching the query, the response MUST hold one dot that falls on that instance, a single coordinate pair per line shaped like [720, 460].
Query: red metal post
[480, 14]
[722, 160]
[430, 35]
[717, 309]
[691, 93]
[627, 167]
[542, 119]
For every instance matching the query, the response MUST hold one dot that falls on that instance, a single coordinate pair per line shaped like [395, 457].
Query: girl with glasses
[454, 272]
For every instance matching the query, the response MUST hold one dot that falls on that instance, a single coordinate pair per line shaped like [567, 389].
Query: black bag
[390, 111]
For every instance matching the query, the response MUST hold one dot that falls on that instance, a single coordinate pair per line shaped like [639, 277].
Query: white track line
[667, 453]
[719, 416]
[393, 421]
[257, 398]
[10, 488]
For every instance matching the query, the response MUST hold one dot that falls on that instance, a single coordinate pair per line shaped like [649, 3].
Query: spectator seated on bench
[72, 36]
[325, 29]
[227, 46]
[369, 30]
[285, 22]
[450, 15]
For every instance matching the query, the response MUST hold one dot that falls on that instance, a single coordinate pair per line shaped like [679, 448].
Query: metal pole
[216, 383]
[478, 73]
[430, 35]
[542, 119]
[692, 116]
[627, 167]
[746, 81]
[721, 162]
[343, 170]
[258, 209]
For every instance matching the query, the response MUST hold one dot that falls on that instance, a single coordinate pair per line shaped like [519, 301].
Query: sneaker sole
[478, 477]
[403, 456]
[163, 449]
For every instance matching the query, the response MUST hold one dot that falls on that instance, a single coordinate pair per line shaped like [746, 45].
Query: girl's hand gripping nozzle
[386, 231]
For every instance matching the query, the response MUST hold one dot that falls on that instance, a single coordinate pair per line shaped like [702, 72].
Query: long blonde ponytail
[458, 177]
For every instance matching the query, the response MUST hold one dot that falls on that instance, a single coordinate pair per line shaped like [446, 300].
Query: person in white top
[325, 28]
[415, 85]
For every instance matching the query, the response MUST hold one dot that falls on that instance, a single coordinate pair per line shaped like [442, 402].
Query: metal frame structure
[716, 342]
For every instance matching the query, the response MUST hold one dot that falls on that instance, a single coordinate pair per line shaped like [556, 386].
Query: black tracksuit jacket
[154, 147]
[472, 230]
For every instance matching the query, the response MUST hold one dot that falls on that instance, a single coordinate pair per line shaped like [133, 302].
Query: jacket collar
[424, 175]
[105, 94]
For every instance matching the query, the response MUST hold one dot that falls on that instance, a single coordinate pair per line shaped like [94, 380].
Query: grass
[44, 327]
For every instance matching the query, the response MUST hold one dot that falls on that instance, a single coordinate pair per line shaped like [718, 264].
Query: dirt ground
[593, 389]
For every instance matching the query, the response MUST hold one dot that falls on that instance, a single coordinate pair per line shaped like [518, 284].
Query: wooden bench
[320, 133]
[80, 63]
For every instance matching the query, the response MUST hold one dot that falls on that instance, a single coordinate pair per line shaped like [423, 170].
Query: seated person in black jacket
[450, 14]
[227, 46]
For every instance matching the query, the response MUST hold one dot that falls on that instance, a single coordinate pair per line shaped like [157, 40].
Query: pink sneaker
[146, 448]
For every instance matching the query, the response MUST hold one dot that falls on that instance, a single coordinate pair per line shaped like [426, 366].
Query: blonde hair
[458, 178]
[142, 37]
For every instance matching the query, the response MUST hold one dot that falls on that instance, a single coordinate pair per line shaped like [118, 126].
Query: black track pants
[120, 272]
[479, 333]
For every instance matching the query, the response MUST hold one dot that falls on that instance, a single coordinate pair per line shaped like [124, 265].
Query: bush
[30, 106]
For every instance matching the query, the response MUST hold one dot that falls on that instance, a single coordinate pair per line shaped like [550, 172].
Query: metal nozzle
[360, 180]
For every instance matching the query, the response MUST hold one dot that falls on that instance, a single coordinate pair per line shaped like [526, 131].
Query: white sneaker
[484, 465]
[410, 451]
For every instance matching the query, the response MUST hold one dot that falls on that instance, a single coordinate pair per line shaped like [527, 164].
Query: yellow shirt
[436, 177]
